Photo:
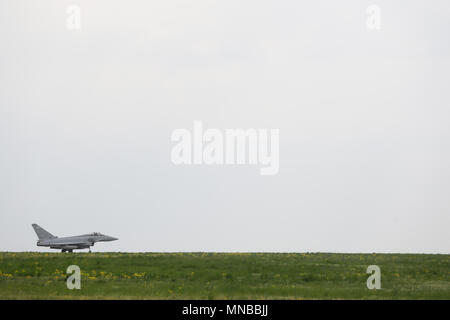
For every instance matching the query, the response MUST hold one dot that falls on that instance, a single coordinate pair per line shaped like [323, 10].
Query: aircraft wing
[75, 243]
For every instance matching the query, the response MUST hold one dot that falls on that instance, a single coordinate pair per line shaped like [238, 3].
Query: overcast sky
[86, 118]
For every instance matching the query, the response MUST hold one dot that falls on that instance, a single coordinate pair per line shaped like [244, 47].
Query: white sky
[86, 118]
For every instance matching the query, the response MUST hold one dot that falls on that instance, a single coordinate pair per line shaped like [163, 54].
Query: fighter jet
[85, 241]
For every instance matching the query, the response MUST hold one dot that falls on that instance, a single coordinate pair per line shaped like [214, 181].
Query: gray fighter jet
[85, 241]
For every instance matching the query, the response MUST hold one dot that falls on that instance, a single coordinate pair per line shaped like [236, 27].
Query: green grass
[31, 275]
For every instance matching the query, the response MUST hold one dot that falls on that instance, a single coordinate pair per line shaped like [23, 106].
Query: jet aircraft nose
[108, 238]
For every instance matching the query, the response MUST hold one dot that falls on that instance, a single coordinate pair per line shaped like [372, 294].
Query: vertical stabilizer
[41, 233]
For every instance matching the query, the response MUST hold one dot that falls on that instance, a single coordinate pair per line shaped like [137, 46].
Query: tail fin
[41, 233]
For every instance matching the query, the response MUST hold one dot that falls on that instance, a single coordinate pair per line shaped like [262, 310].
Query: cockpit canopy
[95, 234]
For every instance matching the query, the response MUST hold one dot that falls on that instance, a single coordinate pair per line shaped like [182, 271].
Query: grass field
[223, 276]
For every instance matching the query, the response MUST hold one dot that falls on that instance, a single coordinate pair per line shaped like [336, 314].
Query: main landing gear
[67, 250]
